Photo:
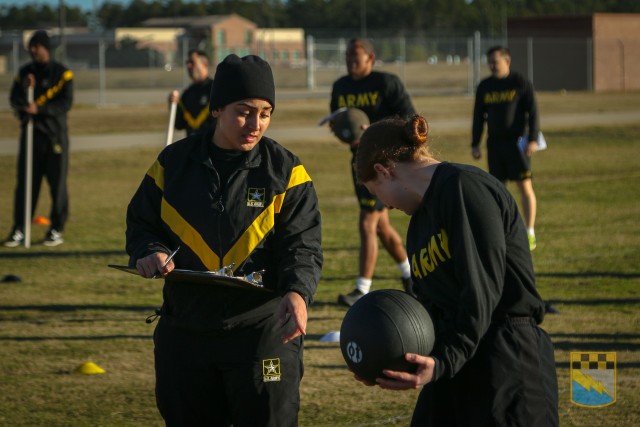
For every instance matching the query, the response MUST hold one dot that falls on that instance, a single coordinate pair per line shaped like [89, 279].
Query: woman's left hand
[398, 380]
[293, 307]
[531, 148]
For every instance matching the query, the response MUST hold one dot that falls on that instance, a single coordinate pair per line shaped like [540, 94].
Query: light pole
[62, 16]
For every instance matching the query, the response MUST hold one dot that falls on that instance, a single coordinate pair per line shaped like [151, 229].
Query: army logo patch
[593, 379]
[270, 370]
[255, 197]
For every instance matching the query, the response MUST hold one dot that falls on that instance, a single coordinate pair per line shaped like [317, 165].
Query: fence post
[530, 59]
[403, 55]
[15, 54]
[102, 72]
[476, 59]
[589, 65]
[471, 56]
[311, 64]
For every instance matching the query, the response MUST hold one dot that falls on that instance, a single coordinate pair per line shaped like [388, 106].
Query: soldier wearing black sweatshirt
[491, 365]
[507, 103]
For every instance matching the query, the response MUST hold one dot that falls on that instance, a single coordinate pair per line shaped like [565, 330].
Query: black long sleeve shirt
[470, 261]
[508, 106]
[379, 95]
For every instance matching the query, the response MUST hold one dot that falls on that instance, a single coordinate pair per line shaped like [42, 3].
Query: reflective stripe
[264, 223]
[156, 172]
[189, 236]
[51, 92]
[195, 123]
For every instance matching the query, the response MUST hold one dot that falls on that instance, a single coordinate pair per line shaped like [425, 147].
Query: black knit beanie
[42, 38]
[242, 78]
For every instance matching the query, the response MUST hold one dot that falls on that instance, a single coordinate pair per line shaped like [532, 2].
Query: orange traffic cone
[41, 220]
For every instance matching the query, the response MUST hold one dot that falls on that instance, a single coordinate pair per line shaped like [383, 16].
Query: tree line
[321, 17]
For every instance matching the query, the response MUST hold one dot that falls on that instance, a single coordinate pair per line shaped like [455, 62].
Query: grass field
[70, 308]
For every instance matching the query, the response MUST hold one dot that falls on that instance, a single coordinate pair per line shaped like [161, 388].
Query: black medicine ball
[347, 125]
[380, 328]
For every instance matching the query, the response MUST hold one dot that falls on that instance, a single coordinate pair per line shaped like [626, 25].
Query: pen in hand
[168, 260]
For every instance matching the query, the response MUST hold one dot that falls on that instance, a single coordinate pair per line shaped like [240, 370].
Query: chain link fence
[143, 71]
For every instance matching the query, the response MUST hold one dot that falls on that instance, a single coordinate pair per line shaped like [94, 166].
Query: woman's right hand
[153, 266]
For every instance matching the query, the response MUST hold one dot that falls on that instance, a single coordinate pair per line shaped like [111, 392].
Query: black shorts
[366, 200]
[510, 381]
[507, 161]
[244, 377]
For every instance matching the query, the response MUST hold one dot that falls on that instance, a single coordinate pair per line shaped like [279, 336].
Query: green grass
[71, 308]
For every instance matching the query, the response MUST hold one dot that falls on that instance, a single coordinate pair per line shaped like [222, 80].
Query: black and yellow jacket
[53, 93]
[265, 217]
[193, 113]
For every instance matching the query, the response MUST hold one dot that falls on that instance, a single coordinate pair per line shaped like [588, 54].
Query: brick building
[596, 52]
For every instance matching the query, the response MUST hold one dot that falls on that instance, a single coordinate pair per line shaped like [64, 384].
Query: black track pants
[244, 377]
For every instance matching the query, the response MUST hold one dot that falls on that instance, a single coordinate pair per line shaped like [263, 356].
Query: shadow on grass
[57, 308]
[611, 274]
[78, 338]
[61, 254]
[599, 301]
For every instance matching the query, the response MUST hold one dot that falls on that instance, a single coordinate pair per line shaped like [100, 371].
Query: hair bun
[417, 130]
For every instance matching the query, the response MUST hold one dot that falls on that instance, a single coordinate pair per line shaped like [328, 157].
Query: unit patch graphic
[255, 197]
[593, 379]
[270, 370]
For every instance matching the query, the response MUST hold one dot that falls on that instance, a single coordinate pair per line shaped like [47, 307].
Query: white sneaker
[53, 238]
[15, 239]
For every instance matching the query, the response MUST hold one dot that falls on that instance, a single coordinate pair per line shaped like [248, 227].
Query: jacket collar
[201, 152]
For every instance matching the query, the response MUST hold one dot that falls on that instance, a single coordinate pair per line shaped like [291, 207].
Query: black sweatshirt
[470, 261]
[509, 107]
[379, 95]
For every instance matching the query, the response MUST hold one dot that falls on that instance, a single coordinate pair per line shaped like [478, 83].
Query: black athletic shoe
[53, 238]
[15, 239]
[350, 298]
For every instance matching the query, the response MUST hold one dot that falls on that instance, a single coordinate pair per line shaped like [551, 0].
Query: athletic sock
[363, 285]
[531, 232]
[405, 268]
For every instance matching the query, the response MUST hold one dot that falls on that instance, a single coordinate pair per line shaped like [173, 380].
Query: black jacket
[53, 93]
[193, 109]
[266, 217]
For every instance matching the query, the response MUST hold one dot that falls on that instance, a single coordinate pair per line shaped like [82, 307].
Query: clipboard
[201, 277]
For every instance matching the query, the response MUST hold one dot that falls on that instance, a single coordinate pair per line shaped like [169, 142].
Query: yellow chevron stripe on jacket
[189, 236]
[263, 223]
[247, 242]
[195, 123]
[52, 91]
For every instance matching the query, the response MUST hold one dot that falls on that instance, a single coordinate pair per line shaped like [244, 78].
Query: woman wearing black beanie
[232, 200]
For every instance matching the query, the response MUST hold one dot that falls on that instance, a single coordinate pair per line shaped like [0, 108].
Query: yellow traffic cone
[89, 368]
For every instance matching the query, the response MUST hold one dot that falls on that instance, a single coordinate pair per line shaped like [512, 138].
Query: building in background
[598, 52]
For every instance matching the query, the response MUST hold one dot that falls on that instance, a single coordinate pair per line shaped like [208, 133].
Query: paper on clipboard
[330, 117]
[523, 140]
[203, 277]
